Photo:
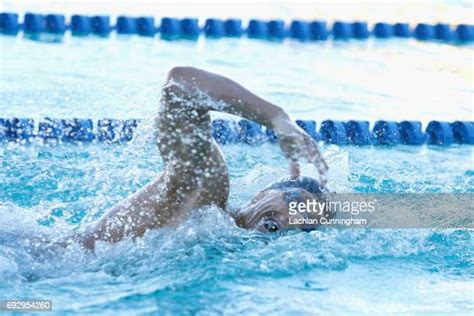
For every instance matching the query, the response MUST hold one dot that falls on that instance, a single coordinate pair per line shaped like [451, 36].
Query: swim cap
[290, 188]
[292, 194]
[306, 183]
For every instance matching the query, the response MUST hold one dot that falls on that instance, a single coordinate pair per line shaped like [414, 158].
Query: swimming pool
[207, 265]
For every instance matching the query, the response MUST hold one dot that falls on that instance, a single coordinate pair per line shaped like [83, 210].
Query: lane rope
[169, 28]
[352, 132]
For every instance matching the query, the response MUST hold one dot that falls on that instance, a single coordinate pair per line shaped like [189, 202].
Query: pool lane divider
[189, 28]
[358, 133]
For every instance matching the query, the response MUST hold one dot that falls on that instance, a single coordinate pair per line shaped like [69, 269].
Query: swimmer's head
[274, 208]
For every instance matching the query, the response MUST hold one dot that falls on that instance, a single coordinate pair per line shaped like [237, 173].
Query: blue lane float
[250, 132]
[319, 30]
[358, 133]
[271, 135]
[126, 25]
[9, 23]
[146, 26]
[214, 28]
[299, 30]
[333, 132]
[190, 28]
[424, 32]
[81, 25]
[33, 23]
[257, 29]
[233, 28]
[101, 25]
[387, 133]
[115, 131]
[383, 30]
[55, 24]
[170, 28]
[341, 31]
[50, 129]
[439, 133]
[5, 130]
[463, 132]
[360, 30]
[402, 30]
[109, 130]
[443, 32]
[17, 129]
[225, 131]
[465, 33]
[411, 133]
[77, 130]
[276, 29]
[128, 129]
[309, 126]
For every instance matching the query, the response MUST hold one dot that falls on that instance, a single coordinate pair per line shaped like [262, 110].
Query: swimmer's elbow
[177, 82]
[175, 85]
[179, 73]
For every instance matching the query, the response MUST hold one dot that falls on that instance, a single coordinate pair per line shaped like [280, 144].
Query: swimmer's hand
[296, 144]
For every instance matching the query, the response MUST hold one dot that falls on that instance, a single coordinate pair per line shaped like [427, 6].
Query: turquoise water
[208, 265]
[120, 77]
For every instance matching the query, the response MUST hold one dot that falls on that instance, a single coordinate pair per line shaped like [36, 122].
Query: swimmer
[196, 173]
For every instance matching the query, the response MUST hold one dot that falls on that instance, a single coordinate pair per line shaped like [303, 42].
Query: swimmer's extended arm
[230, 97]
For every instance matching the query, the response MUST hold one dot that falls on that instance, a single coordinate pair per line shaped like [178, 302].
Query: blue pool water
[208, 265]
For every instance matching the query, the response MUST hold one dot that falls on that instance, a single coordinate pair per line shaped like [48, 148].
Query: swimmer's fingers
[295, 145]
[315, 157]
[291, 147]
[291, 153]
[294, 169]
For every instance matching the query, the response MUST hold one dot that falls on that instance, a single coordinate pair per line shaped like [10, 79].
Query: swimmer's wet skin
[195, 171]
